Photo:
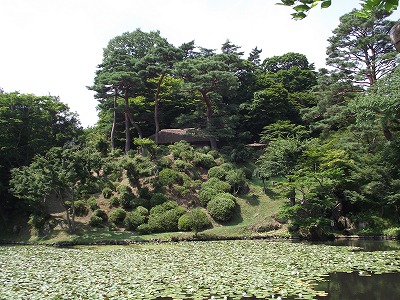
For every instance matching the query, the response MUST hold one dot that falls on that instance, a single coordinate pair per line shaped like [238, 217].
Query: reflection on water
[352, 286]
[367, 245]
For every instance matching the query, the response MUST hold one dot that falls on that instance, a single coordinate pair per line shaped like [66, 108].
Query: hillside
[180, 183]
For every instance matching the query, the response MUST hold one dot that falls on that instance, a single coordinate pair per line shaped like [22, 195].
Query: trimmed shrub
[164, 162]
[167, 177]
[107, 192]
[100, 213]
[214, 153]
[204, 160]
[96, 221]
[217, 172]
[142, 210]
[138, 202]
[114, 202]
[117, 216]
[81, 209]
[144, 229]
[166, 221]
[206, 194]
[182, 165]
[221, 207]
[194, 220]
[217, 185]
[133, 220]
[158, 199]
[184, 223]
[92, 203]
[182, 150]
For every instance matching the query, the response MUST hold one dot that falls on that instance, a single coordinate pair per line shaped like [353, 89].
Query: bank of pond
[236, 269]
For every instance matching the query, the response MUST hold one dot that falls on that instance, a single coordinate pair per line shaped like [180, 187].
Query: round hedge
[221, 207]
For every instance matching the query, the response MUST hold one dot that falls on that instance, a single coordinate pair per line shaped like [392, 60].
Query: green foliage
[194, 220]
[204, 160]
[96, 221]
[217, 172]
[125, 195]
[144, 229]
[167, 177]
[216, 184]
[114, 201]
[38, 221]
[164, 217]
[237, 179]
[92, 203]
[206, 194]
[107, 192]
[134, 219]
[157, 199]
[182, 150]
[392, 232]
[81, 209]
[222, 206]
[101, 213]
[117, 216]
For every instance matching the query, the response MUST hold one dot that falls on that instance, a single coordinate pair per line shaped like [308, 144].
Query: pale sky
[53, 46]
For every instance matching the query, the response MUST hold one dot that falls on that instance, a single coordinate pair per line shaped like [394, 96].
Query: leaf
[326, 4]
[301, 8]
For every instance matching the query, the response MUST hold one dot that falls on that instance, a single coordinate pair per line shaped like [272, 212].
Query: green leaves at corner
[370, 5]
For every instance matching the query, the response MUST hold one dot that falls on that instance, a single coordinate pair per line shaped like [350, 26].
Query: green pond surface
[249, 269]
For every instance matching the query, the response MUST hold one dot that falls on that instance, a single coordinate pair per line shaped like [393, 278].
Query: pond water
[201, 270]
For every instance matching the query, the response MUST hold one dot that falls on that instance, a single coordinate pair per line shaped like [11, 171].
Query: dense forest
[328, 139]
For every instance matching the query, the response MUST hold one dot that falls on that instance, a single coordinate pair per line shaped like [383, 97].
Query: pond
[247, 269]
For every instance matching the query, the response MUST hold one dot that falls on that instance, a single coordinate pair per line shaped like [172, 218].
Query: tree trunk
[209, 115]
[112, 135]
[128, 138]
[156, 98]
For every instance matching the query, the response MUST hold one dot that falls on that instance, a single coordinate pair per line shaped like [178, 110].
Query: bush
[222, 206]
[217, 172]
[107, 192]
[164, 162]
[133, 220]
[144, 193]
[206, 194]
[204, 160]
[142, 210]
[92, 203]
[144, 229]
[114, 202]
[167, 177]
[117, 216]
[237, 179]
[138, 202]
[166, 221]
[214, 153]
[182, 150]
[393, 232]
[96, 221]
[265, 226]
[217, 185]
[100, 213]
[81, 209]
[194, 220]
[157, 199]
[182, 165]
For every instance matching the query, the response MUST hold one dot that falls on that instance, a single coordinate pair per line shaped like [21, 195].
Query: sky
[52, 47]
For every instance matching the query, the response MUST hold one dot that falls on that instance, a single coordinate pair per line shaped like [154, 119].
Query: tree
[60, 172]
[121, 74]
[210, 77]
[158, 63]
[360, 49]
[30, 125]
[302, 7]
